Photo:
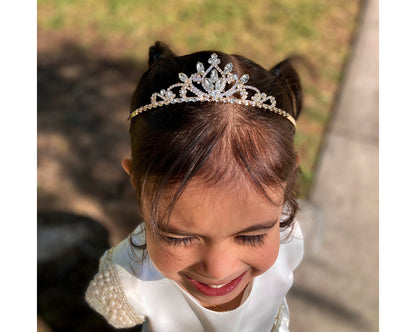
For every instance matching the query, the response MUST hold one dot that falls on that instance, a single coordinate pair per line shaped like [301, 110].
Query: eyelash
[176, 241]
[251, 240]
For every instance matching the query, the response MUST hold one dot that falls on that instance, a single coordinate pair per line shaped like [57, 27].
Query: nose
[218, 262]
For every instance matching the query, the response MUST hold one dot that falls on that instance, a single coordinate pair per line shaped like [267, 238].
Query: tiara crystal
[210, 86]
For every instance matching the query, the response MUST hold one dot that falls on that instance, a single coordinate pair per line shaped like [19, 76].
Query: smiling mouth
[216, 290]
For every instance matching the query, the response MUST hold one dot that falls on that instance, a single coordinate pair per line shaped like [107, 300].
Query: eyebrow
[173, 230]
[257, 227]
[253, 228]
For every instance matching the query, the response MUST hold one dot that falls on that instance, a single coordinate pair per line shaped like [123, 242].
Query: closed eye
[177, 241]
[251, 240]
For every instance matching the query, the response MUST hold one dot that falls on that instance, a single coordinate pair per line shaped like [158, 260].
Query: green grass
[266, 31]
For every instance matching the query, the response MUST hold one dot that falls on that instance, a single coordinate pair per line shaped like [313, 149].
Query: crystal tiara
[214, 90]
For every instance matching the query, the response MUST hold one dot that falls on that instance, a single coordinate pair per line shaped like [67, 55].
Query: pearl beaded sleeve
[106, 296]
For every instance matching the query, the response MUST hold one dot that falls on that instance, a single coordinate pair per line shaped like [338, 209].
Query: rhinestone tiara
[214, 87]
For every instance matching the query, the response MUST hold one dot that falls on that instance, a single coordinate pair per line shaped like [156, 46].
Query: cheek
[268, 258]
[167, 262]
[265, 256]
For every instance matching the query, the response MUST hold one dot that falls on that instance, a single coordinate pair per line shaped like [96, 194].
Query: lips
[216, 290]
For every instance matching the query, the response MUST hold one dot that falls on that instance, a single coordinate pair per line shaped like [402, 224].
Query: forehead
[218, 206]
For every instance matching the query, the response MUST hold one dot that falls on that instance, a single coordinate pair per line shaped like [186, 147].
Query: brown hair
[214, 142]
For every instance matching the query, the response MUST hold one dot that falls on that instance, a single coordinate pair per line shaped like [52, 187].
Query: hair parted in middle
[216, 143]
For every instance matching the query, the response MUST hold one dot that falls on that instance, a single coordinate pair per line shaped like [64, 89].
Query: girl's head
[212, 177]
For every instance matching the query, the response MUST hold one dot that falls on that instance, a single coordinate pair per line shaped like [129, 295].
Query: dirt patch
[83, 105]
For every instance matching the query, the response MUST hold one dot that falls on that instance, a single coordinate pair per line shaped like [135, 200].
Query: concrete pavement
[336, 286]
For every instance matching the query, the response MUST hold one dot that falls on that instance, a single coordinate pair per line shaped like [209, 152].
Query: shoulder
[281, 323]
[106, 295]
[291, 246]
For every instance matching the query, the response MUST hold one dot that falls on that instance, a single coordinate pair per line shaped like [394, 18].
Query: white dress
[128, 290]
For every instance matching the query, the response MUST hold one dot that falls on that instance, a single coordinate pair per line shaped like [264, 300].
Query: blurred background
[91, 54]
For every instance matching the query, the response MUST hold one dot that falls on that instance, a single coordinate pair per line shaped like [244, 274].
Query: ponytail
[289, 79]
[159, 50]
[162, 63]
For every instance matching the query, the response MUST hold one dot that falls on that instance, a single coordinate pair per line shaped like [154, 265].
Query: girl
[214, 167]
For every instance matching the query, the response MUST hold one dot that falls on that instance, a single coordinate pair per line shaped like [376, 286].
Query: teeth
[216, 286]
